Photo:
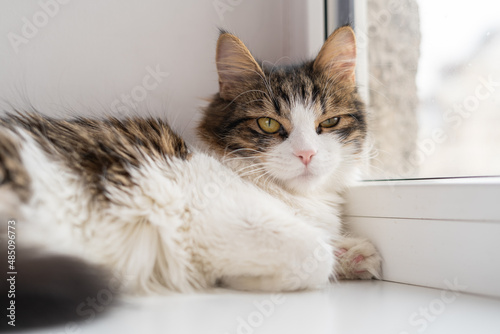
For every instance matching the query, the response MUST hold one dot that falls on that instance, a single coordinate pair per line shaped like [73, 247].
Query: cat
[256, 208]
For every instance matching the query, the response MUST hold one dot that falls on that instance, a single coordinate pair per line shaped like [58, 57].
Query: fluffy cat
[257, 209]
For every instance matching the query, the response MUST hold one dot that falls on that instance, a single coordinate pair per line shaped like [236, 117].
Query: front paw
[357, 259]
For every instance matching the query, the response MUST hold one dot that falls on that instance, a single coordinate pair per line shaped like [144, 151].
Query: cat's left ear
[337, 57]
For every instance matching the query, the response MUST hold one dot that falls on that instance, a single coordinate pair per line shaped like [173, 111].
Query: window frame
[432, 232]
[341, 12]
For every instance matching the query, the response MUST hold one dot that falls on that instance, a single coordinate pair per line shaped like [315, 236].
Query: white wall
[80, 57]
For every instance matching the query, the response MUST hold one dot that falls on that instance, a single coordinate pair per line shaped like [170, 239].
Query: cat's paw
[357, 259]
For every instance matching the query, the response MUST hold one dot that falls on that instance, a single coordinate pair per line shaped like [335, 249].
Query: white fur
[188, 224]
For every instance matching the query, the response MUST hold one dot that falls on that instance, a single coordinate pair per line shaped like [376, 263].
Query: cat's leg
[357, 258]
[280, 261]
[261, 245]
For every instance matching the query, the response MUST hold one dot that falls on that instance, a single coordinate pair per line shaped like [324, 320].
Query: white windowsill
[431, 232]
[347, 307]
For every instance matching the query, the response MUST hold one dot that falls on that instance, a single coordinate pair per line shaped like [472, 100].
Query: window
[433, 84]
[432, 81]
[458, 84]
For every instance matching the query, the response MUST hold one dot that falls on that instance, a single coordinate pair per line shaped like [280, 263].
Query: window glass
[434, 87]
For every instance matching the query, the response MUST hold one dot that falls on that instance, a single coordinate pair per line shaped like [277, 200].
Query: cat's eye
[330, 123]
[268, 125]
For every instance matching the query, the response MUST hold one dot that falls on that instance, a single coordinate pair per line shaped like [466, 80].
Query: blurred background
[429, 70]
[459, 87]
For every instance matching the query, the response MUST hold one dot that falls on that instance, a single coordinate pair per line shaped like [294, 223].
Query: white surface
[475, 199]
[432, 231]
[434, 252]
[367, 307]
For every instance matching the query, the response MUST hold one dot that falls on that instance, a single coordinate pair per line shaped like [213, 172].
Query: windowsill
[463, 198]
[347, 307]
[434, 231]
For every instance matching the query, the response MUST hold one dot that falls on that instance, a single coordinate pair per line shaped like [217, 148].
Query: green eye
[330, 123]
[268, 125]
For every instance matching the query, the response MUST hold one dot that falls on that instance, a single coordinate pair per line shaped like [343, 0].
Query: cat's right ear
[235, 65]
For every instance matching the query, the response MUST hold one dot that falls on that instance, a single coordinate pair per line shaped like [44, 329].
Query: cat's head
[298, 125]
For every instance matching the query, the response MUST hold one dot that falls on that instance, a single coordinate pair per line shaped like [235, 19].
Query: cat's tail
[47, 290]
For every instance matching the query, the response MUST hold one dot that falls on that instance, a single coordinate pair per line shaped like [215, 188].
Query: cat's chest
[324, 213]
[322, 209]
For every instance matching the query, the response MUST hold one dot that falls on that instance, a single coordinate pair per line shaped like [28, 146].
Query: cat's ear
[235, 65]
[337, 57]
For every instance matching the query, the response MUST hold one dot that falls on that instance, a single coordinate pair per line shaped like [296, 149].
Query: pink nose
[305, 156]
